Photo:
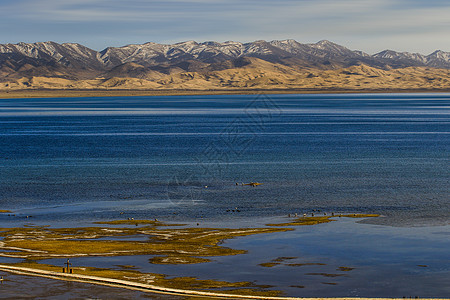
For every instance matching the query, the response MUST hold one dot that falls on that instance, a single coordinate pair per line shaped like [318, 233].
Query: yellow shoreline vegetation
[163, 245]
[173, 246]
[68, 93]
[321, 219]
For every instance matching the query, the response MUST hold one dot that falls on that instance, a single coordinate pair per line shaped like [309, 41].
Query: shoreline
[56, 93]
[174, 246]
[128, 278]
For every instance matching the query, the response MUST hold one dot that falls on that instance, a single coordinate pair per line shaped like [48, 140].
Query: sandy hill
[275, 65]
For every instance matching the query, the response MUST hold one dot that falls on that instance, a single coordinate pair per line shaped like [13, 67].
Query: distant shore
[50, 93]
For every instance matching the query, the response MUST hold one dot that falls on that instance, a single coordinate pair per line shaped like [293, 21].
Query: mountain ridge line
[279, 65]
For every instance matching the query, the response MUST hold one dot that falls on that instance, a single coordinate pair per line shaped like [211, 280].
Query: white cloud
[366, 24]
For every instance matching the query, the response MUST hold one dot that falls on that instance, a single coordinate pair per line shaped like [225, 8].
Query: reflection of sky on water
[382, 104]
[42, 288]
[387, 261]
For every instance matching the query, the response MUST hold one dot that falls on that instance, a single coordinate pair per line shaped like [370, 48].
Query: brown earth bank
[131, 93]
[257, 77]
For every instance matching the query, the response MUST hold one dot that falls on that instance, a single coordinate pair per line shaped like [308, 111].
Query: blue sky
[368, 25]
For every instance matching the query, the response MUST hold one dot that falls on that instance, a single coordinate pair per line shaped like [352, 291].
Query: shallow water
[385, 261]
[71, 161]
[43, 288]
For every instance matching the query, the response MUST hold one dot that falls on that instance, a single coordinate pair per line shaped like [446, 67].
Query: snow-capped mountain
[67, 54]
[71, 59]
[414, 59]
[323, 53]
[151, 53]
[439, 59]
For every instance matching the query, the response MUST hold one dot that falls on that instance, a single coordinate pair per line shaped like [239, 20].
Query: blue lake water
[153, 156]
[67, 161]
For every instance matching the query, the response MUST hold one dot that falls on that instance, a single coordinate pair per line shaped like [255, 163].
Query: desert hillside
[256, 75]
[261, 65]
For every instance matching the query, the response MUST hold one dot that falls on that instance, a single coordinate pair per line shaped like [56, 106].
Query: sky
[367, 25]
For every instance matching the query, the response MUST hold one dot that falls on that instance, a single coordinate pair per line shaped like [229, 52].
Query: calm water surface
[76, 160]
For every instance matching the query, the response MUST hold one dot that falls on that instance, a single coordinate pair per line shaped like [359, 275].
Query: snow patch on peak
[325, 42]
[231, 43]
[186, 43]
[361, 53]
[288, 41]
[440, 54]
[150, 54]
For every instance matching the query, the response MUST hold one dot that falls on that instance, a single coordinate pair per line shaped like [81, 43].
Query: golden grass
[298, 286]
[284, 258]
[345, 269]
[164, 246]
[319, 220]
[305, 221]
[269, 264]
[360, 215]
[172, 246]
[253, 292]
[168, 246]
[305, 264]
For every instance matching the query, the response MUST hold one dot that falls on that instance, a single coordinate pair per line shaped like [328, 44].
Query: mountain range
[213, 65]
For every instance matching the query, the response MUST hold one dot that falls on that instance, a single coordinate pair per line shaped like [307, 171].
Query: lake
[71, 161]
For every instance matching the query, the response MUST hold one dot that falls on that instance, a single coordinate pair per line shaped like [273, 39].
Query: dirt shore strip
[55, 93]
[151, 288]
